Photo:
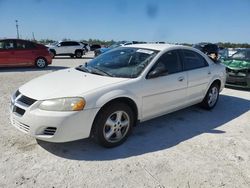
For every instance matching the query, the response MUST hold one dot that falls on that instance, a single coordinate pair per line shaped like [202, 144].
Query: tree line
[89, 41]
[110, 42]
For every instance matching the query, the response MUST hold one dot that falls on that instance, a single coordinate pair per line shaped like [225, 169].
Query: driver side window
[170, 61]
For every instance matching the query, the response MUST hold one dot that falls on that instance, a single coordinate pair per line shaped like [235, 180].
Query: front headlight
[63, 104]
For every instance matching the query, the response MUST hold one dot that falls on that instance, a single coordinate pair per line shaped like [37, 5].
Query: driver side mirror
[157, 72]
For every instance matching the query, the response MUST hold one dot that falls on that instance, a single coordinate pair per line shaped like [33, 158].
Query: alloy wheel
[40, 63]
[212, 96]
[116, 126]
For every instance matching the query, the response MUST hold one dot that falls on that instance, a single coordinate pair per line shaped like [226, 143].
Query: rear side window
[70, 44]
[24, 45]
[171, 61]
[193, 60]
[74, 44]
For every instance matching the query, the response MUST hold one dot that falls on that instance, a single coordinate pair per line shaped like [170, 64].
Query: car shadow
[157, 134]
[27, 69]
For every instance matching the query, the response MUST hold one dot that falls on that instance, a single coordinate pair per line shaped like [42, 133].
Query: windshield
[241, 55]
[122, 62]
[54, 43]
[114, 46]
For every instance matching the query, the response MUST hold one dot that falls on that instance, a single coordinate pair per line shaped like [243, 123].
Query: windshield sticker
[145, 51]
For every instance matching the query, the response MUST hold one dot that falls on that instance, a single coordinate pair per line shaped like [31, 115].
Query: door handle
[180, 79]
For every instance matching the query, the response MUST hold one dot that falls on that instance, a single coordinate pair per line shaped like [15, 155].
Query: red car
[17, 52]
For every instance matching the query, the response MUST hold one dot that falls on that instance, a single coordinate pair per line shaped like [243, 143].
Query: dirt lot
[188, 148]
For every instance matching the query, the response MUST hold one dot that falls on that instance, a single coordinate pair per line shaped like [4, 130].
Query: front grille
[18, 110]
[238, 83]
[26, 100]
[238, 73]
[21, 126]
[49, 131]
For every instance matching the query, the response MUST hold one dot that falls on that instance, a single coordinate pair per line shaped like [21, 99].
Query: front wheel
[211, 97]
[113, 124]
[41, 63]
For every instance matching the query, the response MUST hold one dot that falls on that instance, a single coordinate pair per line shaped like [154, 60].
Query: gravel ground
[188, 148]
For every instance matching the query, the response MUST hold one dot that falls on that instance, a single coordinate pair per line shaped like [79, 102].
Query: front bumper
[238, 81]
[49, 125]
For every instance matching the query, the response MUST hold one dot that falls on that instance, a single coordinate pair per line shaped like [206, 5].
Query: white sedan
[108, 96]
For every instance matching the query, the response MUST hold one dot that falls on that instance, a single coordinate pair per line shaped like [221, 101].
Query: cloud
[152, 10]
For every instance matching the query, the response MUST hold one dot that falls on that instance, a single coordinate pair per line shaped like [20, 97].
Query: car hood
[65, 83]
[237, 64]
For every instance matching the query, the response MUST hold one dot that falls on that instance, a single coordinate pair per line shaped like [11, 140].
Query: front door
[165, 92]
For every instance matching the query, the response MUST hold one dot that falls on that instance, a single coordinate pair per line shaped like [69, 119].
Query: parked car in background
[118, 44]
[106, 97]
[67, 48]
[105, 49]
[17, 52]
[93, 47]
[238, 69]
[86, 46]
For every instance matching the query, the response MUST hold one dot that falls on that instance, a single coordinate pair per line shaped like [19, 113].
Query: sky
[181, 21]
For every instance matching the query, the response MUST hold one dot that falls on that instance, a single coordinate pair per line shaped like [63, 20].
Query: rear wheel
[41, 62]
[113, 124]
[78, 54]
[211, 97]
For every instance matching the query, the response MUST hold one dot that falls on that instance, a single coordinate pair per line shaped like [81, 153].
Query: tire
[78, 54]
[41, 62]
[211, 97]
[113, 125]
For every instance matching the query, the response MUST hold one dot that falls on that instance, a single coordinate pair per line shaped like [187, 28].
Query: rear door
[24, 53]
[198, 75]
[74, 46]
[62, 48]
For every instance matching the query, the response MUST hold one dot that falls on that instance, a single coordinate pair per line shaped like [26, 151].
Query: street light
[17, 29]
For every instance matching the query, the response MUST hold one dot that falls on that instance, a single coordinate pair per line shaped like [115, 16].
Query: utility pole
[33, 35]
[17, 29]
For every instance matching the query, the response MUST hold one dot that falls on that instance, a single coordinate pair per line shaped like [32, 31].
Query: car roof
[14, 39]
[153, 46]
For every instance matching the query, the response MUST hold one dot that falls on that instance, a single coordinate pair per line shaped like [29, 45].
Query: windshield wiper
[95, 70]
[82, 68]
